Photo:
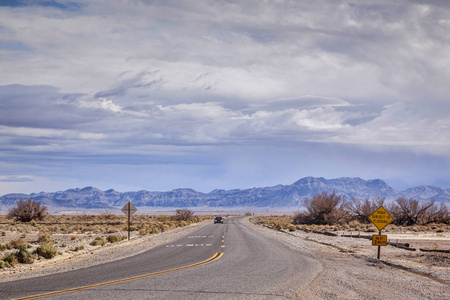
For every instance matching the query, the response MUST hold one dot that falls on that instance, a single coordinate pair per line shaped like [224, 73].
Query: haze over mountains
[270, 197]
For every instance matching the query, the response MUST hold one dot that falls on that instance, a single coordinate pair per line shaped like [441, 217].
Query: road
[218, 261]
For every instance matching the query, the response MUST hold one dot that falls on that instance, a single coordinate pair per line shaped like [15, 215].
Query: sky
[157, 95]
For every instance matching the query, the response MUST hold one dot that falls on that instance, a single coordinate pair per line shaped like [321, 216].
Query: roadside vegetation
[26, 211]
[333, 209]
[286, 222]
[331, 212]
[28, 233]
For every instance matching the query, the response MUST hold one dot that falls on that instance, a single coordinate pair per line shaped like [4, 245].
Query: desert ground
[350, 269]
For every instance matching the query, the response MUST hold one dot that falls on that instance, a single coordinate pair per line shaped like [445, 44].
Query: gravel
[350, 269]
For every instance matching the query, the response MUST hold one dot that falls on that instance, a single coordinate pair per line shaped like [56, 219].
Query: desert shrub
[114, 238]
[163, 218]
[3, 264]
[361, 210]
[323, 209]
[3, 247]
[248, 214]
[370, 229]
[437, 214]
[15, 243]
[407, 212]
[184, 214]
[144, 231]
[10, 259]
[44, 236]
[99, 241]
[79, 247]
[23, 255]
[107, 215]
[46, 250]
[163, 227]
[26, 211]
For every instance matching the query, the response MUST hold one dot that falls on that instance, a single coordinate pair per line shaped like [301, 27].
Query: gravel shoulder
[350, 269]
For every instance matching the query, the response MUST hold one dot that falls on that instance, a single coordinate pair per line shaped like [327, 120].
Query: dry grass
[284, 222]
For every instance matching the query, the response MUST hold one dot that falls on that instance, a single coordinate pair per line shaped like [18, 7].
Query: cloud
[414, 125]
[299, 48]
[148, 82]
[16, 178]
[144, 79]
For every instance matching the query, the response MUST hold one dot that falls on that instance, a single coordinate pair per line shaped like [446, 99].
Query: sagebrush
[26, 211]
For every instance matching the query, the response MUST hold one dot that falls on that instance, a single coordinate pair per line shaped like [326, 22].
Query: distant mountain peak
[275, 196]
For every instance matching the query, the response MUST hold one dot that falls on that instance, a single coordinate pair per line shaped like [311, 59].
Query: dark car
[218, 220]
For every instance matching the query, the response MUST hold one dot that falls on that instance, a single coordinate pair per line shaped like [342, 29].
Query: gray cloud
[155, 82]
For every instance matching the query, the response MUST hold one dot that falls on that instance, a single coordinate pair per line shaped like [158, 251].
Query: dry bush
[115, 238]
[99, 241]
[184, 214]
[361, 210]
[3, 264]
[409, 212]
[23, 255]
[276, 222]
[323, 209]
[46, 250]
[107, 215]
[436, 214]
[26, 211]
[9, 260]
[15, 243]
[44, 236]
[79, 247]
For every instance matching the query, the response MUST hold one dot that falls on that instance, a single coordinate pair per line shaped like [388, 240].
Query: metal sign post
[129, 210]
[380, 218]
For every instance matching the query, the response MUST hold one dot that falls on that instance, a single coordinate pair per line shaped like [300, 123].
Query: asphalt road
[218, 261]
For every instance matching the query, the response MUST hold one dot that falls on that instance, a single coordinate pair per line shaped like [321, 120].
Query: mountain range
[270, 197]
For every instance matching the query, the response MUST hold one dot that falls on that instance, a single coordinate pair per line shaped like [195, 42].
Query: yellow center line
[87, 287]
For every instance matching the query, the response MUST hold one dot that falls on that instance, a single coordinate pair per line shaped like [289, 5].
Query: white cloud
[49, 133]
[102, 103]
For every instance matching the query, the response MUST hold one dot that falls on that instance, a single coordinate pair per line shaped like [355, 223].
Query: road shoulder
[349, 276]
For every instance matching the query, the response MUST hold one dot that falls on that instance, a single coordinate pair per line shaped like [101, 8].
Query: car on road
[218, 220]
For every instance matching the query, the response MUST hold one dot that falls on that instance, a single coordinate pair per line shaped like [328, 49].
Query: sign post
[129, 210]
[380, 218]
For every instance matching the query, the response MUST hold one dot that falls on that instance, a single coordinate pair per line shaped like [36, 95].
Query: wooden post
[129, 219]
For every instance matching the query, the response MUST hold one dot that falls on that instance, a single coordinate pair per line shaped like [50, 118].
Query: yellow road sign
[381, 218]
[379, 240]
